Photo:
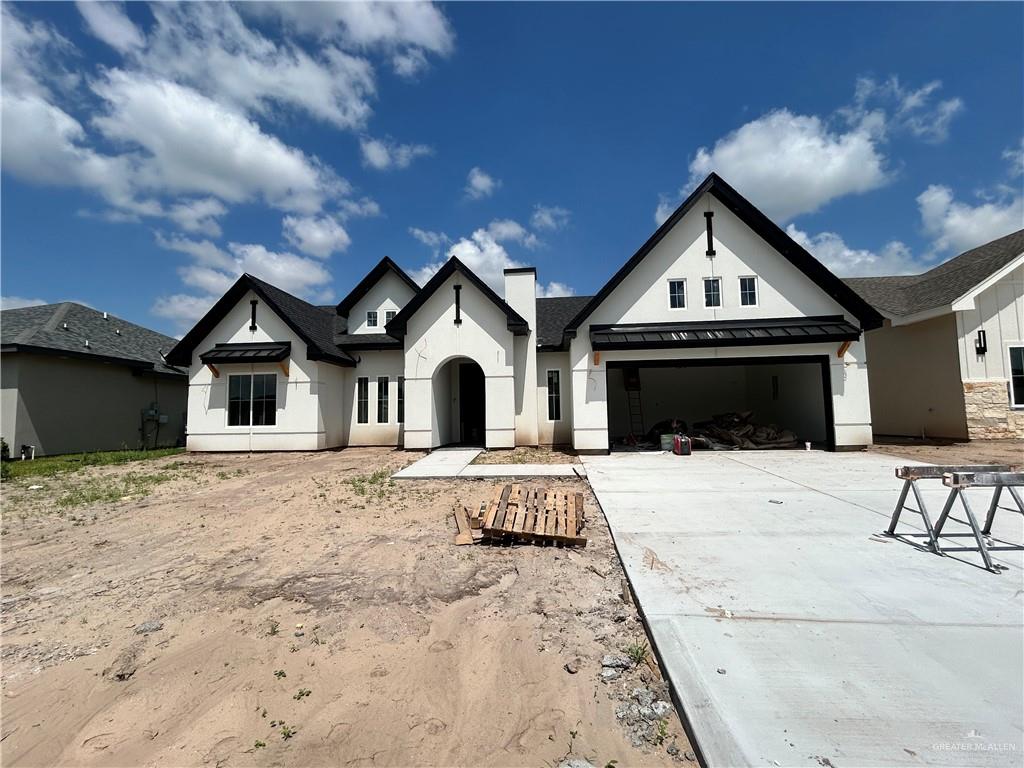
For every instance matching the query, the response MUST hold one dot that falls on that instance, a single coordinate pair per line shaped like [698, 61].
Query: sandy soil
[526, 455]
[301, 589]
[1009, 452]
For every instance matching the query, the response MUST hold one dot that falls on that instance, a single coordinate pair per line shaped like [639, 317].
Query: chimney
[521, 295]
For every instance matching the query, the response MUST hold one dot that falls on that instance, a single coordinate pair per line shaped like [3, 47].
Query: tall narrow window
[712, 292]
[239, 400]
[554, 396]
[371, 319]
[748, 291]
[677, 294]
[363, 400]
[389, 315]
[264, 399]
[400, 405]
[382, 399]
[1017, 377]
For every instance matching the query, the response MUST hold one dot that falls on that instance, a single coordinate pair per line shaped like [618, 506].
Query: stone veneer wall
[989, 415]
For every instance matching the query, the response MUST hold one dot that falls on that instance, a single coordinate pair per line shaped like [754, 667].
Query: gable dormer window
[371, 319]
[748, 291]
[677, 294]
[389, 315]
[712, 292]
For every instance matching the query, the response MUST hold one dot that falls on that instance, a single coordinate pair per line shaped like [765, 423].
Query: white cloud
[109, 22]
[549, 217]
[364, 208]
[433, 240]
[480, 184]
[318, 236]
[892, 107]
[235, 160]
[17, 302]
[182, 309]
[956, 226]
[204, 252]
[198, 216]
[830, 249]
[385, 154]
[1015, 157]
[509, 230]
[553, 290]
[405, 30]
[788, 164]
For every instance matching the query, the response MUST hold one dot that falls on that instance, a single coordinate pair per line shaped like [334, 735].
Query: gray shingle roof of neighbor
[903, 295]
[42, 329]
[553, 315]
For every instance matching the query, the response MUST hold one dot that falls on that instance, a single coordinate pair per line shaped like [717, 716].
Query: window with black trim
[389, 315]
[677, 294]
[1017, 376]
[371, 319]
[252, 400]
[382, 399]
[712, 292]
[748, 291]
[400, 404]
[362, 400]
[554, 396]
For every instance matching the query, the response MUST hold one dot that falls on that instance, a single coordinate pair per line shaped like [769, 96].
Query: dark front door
[471, 403]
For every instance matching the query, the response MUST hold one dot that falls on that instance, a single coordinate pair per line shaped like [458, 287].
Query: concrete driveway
[794, 634]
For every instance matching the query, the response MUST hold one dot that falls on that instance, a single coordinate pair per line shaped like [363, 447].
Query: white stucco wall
[783, 291]
[521, 295]
[301, 425]
[373, 364]
[390, 292]
[999, 309]
[432, 340]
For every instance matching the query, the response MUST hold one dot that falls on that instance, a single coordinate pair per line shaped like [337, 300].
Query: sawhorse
[958, 482]
[910, 476]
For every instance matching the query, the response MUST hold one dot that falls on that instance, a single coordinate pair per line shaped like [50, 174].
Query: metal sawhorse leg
[958, 482]
[910, 476]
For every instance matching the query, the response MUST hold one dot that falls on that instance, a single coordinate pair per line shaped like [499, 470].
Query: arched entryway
[460, 402]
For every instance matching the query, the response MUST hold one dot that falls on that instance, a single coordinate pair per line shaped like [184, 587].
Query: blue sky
[151, 154]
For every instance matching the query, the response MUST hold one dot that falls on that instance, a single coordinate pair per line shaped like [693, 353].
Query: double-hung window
[389, 315]
[554, 396]
[712, 292]
[371, 319]
[362, 400]
[382, 399]
[400, 405]
[677, 294]
[252, 400]
[1017, 376]
[748, 291]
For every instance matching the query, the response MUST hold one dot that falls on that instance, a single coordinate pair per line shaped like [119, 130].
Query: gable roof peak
[382, 267]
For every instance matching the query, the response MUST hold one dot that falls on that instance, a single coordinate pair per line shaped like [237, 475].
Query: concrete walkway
[455, 462]
[794, 634]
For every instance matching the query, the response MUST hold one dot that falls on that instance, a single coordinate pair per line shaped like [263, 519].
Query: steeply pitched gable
[384, 266]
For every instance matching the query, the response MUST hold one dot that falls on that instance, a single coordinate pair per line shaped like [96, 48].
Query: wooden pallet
[533, 514]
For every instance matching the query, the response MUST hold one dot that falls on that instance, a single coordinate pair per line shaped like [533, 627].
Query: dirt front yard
[303, 609]
[1009, 452]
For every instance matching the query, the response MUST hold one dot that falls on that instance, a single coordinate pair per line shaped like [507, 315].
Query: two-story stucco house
[718, 311]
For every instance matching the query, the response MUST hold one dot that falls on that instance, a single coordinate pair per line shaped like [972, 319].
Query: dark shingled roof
[938, 287]
[552, 317]
[41, 329]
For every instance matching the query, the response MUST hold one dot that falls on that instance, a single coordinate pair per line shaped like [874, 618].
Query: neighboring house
[949, 361]
[74, 379]
[719, 311]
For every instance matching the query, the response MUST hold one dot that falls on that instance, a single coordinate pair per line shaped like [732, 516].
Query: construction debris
[525, 513]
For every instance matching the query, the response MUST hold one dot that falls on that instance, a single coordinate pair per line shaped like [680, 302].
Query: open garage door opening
[745, 403]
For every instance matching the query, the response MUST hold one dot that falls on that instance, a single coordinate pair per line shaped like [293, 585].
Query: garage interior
[789, 393]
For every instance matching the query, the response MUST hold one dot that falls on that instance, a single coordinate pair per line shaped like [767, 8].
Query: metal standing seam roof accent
[723, 333]
[256, 352]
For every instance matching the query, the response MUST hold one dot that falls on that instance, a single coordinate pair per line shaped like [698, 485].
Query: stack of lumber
[526, 513]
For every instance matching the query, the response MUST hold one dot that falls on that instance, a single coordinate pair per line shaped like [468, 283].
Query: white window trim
[250, 425]
[387, 400]
[392, 312]
[547, 395]
[359, 423]
[739, 291]
[686, 299]
[376, 318]
[704, 292]
[1009, 374]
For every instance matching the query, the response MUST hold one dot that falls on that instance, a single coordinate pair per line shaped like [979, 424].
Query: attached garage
[790, 393]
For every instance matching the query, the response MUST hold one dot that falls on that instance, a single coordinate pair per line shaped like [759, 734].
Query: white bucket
[666, 442]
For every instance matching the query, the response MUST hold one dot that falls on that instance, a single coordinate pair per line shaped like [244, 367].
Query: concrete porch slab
[455, 462]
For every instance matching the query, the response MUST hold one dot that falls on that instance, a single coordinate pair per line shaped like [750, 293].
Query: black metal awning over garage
[255, 352]
[723, 333]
